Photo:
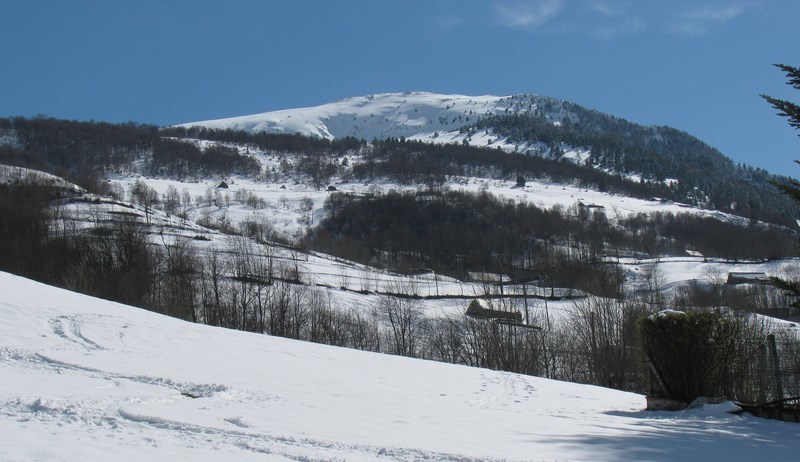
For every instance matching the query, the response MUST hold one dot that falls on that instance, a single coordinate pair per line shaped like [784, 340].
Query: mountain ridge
[543, 126]
[380, 115]
[549, 126]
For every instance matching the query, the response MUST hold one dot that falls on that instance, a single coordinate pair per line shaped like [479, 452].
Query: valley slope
[86, 379]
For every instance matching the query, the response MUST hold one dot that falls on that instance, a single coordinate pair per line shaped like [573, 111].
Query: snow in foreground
[85, 379]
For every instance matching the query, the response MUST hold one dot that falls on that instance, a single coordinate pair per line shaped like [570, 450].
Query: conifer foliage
[787, 108]
[792, 112]
[791, 187]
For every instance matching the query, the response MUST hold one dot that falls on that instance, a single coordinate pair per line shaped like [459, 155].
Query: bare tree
[171, 200]
[363, 330]
[653, 278]
[179, 280]
[403, 315]
[214, 289]
[606, 346]
[320, 319]
[144, 195]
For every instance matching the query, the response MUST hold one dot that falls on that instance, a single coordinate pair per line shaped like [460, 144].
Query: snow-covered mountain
[86, 379]
[375, 116]
[539, 126]
[411, 115]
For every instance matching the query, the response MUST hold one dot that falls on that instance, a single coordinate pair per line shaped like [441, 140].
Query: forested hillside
[693, 171]
[455, 231]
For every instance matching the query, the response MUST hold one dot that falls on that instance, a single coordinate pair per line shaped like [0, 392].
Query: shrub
[703, 354]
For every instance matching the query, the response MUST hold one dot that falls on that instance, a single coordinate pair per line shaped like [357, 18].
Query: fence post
[762, 373]
[593, 365]
[776, 366]
[654, 373]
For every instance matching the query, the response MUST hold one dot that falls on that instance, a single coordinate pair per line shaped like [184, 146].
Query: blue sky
[696, 65]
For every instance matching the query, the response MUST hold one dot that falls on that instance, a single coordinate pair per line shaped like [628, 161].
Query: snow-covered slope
[85, 379]
[413, 115]
[11, 174]
[423, 116]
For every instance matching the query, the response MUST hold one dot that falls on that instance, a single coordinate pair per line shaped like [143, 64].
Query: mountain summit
[410, 115]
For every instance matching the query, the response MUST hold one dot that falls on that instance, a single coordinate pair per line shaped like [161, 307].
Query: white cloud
[627, 27]
[528, 15]
[607, 8]
[700, 21]
[716, 14]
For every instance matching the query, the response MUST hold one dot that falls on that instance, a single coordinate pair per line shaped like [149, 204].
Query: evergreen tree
[792, 188]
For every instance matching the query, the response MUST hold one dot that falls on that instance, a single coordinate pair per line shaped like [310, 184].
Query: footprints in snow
[507, 388]
[69, 328]
[236, 421]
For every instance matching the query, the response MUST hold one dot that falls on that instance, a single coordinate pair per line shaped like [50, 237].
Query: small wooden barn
[484, 309]
[748, 278]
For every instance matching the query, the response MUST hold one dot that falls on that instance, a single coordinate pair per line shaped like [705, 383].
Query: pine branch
[792, 73]
[785, 109]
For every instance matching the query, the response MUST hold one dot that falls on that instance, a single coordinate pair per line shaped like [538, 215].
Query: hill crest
[413, 115]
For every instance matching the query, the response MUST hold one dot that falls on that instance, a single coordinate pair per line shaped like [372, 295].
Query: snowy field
[283, 201]
[89, 380]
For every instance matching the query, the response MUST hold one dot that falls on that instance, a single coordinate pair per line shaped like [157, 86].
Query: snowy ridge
[430, 117]
[97, 380]
[11, 174]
